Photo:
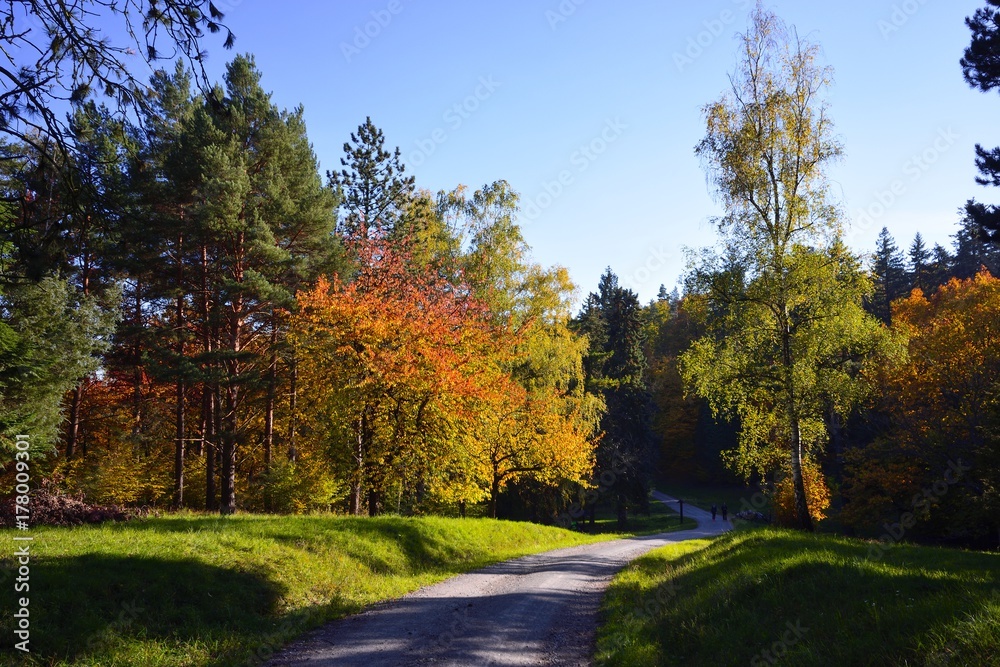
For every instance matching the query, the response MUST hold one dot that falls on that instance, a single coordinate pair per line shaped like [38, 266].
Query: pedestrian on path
[714, 510]
[725, 512]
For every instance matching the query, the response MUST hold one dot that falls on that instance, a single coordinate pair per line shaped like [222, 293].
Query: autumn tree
[790, 331]
[942, 409]
[391, 362]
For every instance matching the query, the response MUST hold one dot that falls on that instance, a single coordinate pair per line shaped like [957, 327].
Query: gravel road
[536, 610]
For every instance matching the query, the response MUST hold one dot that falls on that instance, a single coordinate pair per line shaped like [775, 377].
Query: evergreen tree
[616, 367]
[981, 69]
[941, 265]
[919, 263]
[972, 251]
[890, 276]
[375, 192]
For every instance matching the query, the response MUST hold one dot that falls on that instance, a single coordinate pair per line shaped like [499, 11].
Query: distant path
[536, 610]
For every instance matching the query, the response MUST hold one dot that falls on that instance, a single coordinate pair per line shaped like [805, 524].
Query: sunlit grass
[728, 601]
[201, 590]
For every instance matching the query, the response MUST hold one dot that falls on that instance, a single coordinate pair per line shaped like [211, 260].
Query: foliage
[980, 69]
[817, 494]
[942, 406]
[56, 51]
[789, 331]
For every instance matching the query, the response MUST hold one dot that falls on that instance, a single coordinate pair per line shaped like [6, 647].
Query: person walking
[714, 510]
[725, 512]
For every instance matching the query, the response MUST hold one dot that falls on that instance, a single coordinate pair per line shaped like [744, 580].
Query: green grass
[704, 496]
[661, 519]
[198, 590]
[726, 601]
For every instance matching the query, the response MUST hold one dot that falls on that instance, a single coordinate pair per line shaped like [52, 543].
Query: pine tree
[972, 251]
[375, 192]
[919, 263]
[616, 367]
[890, 276]
[981, 69]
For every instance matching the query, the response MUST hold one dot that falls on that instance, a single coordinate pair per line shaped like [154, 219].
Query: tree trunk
[179, 448]
[803, 519]
[227, 499]
[292, 406]
[73, 430]
[179, 416]
[494, 496]
[355, 509]
[137, 363]
[272, 375]
[208, 441]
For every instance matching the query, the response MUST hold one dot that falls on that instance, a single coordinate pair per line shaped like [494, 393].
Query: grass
[769, 596]
[198, 590]
[704, 496]
[661, 519]
[191, 589]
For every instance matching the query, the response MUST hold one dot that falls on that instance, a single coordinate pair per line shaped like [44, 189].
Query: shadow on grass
[742, 594]
[83, 607]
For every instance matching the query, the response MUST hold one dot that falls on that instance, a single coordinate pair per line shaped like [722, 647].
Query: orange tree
[940, 458]
[405, 383]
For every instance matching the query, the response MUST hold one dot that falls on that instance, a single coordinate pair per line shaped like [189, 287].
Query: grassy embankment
[201, 590]
[768, 596]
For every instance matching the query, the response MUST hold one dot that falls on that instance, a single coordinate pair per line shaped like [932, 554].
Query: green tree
[920, 258]
[616, 367]
[981, 71]
[889, 271]
[375, 193]
[790, 330]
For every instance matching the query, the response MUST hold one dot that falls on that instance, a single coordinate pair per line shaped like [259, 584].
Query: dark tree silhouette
[54, 52]
[981, 69]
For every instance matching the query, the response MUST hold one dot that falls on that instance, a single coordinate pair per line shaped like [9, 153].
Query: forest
[194, 317]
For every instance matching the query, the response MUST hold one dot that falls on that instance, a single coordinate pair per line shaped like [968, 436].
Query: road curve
[535, 610]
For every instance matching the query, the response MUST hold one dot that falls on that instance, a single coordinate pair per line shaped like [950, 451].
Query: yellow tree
[791, 330]
[391, 362]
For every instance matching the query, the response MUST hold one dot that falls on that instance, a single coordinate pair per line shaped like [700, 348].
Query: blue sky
[606, 97]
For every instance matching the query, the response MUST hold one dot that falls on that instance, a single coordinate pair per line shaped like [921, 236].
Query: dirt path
[536, 610]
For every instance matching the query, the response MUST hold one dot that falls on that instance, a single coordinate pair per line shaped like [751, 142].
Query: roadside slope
[769, 596]
[540, 609]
